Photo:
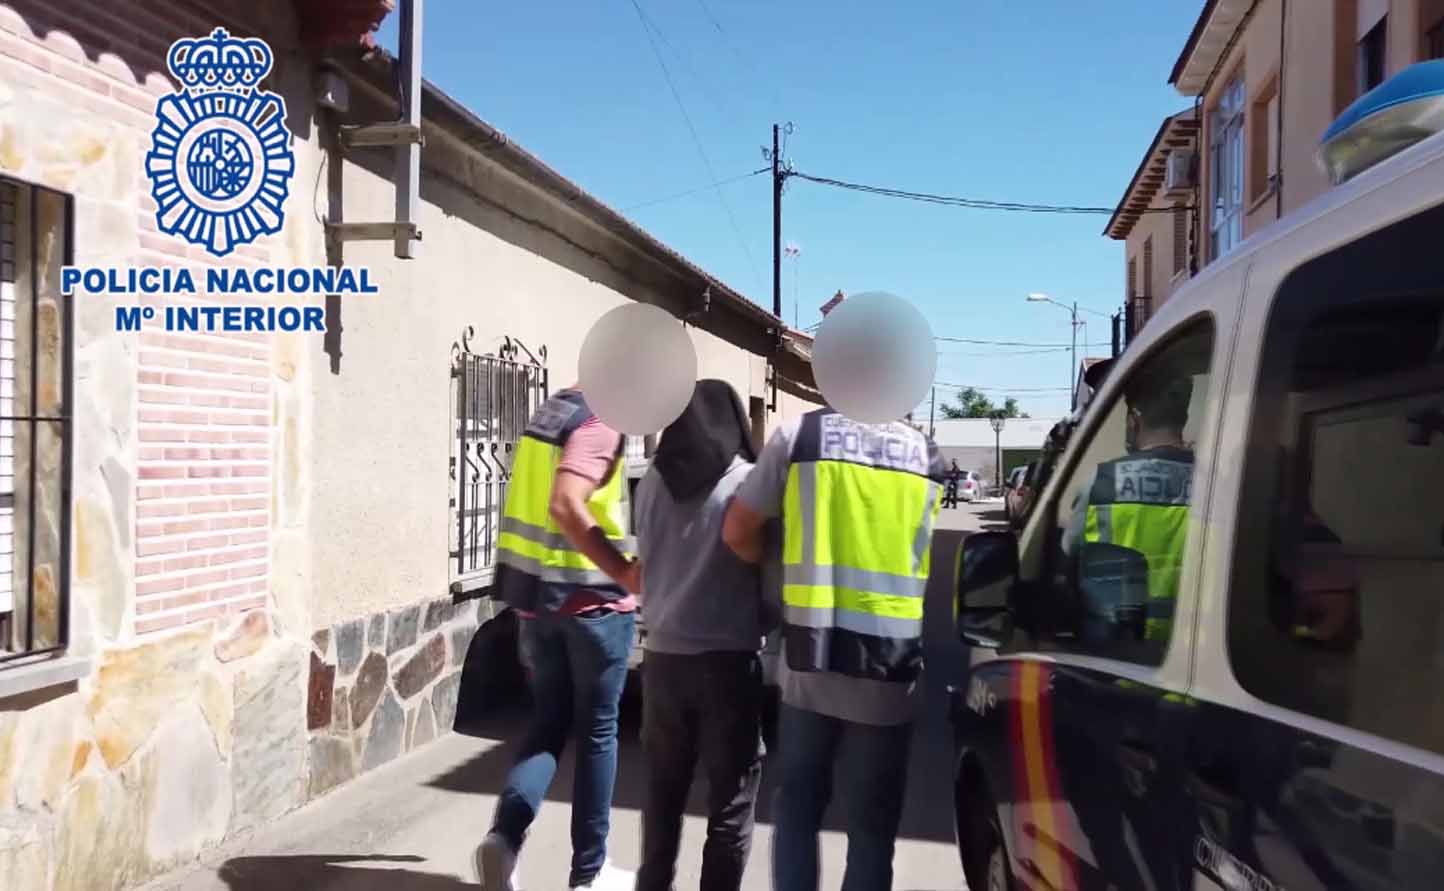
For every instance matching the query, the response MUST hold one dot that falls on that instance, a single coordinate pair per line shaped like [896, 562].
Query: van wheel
[984, 855]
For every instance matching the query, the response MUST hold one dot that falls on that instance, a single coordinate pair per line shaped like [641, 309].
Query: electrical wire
[690, 192]
[747, 64]
[956, 201]
[1052, 351]
[696, 140]
[943, 385]
[1020, 343]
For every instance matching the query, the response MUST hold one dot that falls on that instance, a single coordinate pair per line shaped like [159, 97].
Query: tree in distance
[972, 403]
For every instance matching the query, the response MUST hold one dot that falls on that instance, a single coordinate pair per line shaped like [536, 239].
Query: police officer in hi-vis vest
[1141, 500]
[561, 566]
[857, 503]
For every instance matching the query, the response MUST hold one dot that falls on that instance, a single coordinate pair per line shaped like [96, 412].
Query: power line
[690, 192]
[1052, 351]
[943, 385]
[696, 140]
[747, 64]
[956, 201]
[706, 85]
[1019, 343]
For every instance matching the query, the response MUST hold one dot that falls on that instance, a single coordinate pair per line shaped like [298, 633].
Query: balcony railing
[1137, 312]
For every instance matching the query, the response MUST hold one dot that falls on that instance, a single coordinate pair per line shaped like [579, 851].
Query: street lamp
[1073, 354]
[1073, 312]
[996, 422]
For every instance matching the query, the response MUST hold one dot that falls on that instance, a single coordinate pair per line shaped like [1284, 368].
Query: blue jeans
[578, 669]
[873, 770]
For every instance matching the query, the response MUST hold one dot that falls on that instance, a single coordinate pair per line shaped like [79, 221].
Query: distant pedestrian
[857, 523]
[560, 565]
[954, 480]
[702, 678]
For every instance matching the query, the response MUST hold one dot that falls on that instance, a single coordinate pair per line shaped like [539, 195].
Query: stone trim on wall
[194, 736]
[385, 684]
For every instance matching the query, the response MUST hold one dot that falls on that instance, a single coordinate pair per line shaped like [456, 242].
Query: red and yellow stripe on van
[1044, 828]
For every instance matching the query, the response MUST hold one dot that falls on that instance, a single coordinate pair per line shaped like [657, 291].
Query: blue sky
[1046, 101]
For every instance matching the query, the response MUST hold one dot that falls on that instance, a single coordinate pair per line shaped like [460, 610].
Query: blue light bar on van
[1401, 111]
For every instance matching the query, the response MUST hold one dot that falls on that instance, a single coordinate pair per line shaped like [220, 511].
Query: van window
[1122, 517]
[1337, 596]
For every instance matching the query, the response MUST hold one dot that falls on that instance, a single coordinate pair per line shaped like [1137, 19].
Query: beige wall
[1159, 228]
[377, 460]
[1318, 82]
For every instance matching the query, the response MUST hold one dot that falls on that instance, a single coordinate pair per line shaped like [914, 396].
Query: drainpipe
[1283, 81]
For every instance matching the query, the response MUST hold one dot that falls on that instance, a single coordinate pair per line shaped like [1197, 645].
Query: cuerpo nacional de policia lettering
[220, 167]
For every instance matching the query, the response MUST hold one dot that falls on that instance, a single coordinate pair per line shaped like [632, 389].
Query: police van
[1237, 683]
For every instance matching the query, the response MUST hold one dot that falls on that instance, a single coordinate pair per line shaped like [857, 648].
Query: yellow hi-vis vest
[1142, 502]
[537, 566]
[858, 514]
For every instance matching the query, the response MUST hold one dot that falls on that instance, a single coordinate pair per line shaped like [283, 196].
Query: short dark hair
[1162, 402]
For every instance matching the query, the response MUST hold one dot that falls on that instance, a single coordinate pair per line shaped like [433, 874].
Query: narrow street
[412, 824]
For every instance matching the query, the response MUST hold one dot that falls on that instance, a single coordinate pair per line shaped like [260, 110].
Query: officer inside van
[1141, 500]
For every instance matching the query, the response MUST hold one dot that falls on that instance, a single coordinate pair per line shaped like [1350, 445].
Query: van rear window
[1336, 605]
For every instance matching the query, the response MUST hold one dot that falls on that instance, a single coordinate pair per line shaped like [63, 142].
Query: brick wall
[204, 408]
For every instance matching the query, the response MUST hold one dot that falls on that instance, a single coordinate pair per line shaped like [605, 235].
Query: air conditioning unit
[1178, 175]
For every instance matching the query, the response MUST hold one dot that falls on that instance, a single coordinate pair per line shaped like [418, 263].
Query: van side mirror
[986, 572]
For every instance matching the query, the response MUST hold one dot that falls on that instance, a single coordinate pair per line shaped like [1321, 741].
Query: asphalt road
[411, 825]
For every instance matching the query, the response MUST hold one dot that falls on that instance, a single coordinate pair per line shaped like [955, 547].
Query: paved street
[412, 825]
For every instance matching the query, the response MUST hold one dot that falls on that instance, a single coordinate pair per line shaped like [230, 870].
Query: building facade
[241, 569]
[1266, 79]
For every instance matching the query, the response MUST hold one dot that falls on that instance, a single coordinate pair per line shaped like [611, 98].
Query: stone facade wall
[381, 685]
[229, 493]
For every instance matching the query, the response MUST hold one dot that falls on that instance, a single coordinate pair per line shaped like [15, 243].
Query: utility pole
[932, 402]
[1073, 382]
[776, 225]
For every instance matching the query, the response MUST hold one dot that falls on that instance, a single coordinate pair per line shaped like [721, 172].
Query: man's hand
[743, 529]
[632, 577]
[569, 509]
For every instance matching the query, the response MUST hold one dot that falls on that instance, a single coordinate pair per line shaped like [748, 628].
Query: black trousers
[706, 707]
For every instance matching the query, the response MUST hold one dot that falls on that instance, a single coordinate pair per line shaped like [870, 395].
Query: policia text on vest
[858, 514]
[1141, 502]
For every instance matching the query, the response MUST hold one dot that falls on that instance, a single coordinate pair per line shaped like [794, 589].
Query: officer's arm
[743, 529]
[570, 492]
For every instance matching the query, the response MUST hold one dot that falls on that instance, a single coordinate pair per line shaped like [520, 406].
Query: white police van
[1260, 704]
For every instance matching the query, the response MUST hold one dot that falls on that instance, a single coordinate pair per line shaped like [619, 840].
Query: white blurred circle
[874, 357]
[637, 368]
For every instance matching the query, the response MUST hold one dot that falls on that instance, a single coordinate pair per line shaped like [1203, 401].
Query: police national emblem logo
[220, 162]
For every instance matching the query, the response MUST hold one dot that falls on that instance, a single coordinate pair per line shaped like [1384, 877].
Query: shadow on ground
[491, 709]
[929, 812]
[340, 872]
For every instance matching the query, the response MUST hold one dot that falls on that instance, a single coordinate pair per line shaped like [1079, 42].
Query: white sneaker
[611, 878]
[495, 864]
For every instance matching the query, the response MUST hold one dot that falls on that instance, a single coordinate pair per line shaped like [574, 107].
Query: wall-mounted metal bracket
[374, 231]
[381, 135]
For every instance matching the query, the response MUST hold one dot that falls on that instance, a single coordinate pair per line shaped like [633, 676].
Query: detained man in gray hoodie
[703, 609]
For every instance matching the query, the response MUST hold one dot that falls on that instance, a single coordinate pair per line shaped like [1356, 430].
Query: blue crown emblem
[220, 163]
[219, 62]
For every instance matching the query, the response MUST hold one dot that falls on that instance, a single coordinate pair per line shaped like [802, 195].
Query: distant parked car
[1018, 494]
[970, 486]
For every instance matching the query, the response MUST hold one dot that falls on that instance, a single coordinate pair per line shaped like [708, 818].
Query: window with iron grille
[1132, 277]
[35, 422]
[495, 395]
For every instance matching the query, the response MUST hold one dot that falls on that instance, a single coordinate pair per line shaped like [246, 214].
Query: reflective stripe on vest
[531, 549]
[858, 514]
[1142, 502]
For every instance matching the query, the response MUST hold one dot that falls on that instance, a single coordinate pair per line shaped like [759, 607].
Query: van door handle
[1138, 754]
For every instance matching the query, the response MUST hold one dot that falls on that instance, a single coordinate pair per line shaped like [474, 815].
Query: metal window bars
[36, 400]
[495, 396]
